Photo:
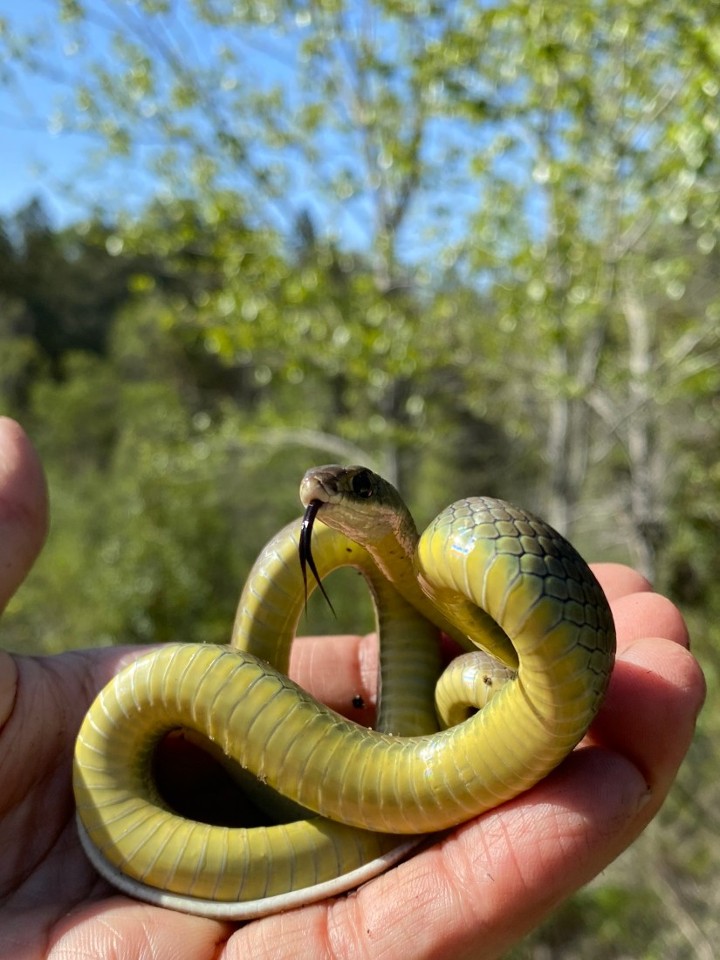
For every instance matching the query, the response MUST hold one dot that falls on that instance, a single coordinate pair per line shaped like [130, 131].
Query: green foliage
[592, 925]
[474, 245]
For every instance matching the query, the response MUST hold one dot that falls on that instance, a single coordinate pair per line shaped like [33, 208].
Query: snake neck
[370, 511]
[395, 555]
[394, 549]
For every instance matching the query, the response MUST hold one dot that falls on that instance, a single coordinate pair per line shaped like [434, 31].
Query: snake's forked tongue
[305, 550]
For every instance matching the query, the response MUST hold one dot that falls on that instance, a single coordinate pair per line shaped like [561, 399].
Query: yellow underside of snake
[496, 579]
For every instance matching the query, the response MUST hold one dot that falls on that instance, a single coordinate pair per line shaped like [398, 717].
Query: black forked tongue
[305, 551]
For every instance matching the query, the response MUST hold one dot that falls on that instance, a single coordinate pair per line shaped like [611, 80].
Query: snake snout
[319, 483]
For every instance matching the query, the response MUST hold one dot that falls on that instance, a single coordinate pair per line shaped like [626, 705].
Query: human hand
[472, 893]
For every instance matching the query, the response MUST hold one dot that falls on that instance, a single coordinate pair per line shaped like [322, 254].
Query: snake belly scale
[495, 578]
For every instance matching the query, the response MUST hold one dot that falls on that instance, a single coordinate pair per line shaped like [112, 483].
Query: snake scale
[496, 579]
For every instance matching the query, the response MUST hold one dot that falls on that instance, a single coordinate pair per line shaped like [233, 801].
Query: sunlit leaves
[533, 158]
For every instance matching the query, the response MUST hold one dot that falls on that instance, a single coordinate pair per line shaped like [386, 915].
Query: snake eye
[362, 485]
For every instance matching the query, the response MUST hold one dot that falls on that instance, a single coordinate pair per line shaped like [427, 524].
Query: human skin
[471, 894]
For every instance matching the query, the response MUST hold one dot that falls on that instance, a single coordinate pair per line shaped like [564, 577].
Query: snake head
[331, 485]
[360, 504]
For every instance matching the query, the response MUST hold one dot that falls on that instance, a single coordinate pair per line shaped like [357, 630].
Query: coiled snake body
[488, 574]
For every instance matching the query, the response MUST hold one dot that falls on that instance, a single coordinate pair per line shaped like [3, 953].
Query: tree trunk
[646, 481]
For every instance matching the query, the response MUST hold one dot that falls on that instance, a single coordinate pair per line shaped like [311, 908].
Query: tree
[607, 143]
[475, 243]
[553, 148]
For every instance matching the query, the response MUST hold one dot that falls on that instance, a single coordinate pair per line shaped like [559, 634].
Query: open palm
[472, 893]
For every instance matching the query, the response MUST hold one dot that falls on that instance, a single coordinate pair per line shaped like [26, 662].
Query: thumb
[23, 507]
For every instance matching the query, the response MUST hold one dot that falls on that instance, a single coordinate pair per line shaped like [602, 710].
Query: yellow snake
[487, 573]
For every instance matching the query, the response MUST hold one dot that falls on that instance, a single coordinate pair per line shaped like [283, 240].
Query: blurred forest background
[471, 244]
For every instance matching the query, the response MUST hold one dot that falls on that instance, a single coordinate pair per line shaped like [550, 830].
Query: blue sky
[37, 161]
[69, 172]
[27, 147]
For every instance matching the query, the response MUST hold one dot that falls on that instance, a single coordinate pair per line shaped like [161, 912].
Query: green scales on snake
[497, 721]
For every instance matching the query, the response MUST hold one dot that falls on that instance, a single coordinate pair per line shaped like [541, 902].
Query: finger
[656, 692]
[124, 929]
[8, 687]
[340, 671]
[42, 703]
[23, 523]
[639, 615]
[23, 507]
[617, 580]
